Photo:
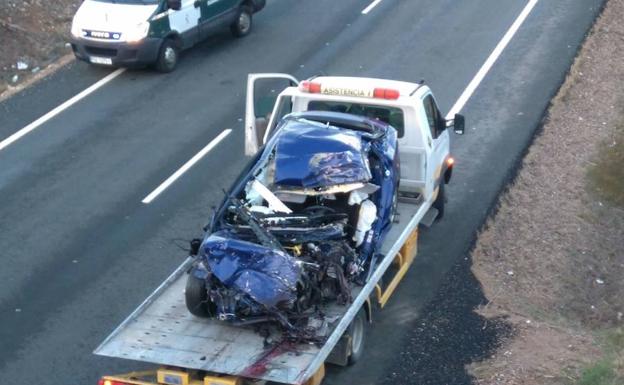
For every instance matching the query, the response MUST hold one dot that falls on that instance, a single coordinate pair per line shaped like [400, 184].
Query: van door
[186, 21]
[215, 14]
[263, 91]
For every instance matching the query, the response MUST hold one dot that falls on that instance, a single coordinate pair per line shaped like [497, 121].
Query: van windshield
[391, 115]
[147, 2]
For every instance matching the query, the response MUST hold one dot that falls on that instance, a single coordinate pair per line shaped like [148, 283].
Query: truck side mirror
[174, 4]
[459, 123]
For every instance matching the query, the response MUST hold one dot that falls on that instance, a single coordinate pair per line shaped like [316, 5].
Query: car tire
[243, 22]
[357, 332]
[438, 204]
[196, 296]
[167, 56]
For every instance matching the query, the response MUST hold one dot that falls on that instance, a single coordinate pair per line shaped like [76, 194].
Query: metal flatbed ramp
[162, 331]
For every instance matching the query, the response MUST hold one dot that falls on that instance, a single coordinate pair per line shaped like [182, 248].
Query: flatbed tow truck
[194, 351]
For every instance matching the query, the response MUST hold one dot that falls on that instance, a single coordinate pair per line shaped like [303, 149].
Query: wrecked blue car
[301, 225]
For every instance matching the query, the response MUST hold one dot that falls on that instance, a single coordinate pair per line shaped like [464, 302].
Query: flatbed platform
[162, 331]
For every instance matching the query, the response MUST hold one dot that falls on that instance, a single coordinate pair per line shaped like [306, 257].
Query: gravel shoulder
[33, 37]
[550, 260]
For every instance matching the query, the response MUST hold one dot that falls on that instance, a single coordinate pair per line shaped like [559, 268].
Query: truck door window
[433, 116]
[390, 115]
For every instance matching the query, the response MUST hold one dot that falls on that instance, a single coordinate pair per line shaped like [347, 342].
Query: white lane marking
[32, 126]
[163, 186]
[370, 7]
[474, 83]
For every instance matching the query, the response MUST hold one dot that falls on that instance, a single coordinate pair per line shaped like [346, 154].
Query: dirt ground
[33, 35]
[551, 260]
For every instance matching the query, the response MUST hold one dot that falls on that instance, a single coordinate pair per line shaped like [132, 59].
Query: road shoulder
[550, 260]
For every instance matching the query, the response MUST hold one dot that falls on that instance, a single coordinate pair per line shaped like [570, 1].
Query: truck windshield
[146, 2]
[391, 115]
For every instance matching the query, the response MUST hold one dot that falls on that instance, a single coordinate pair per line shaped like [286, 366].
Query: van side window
[433, 117]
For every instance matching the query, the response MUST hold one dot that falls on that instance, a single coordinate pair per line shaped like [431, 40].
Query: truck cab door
[262, 93]
[437, 144]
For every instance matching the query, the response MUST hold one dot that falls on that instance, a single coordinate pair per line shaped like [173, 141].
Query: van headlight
[76, 29]
[137, 33]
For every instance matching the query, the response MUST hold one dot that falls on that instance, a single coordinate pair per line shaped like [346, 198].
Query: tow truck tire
[357, 332]
[243, 22]
[440, 201]
[167, 56]
[196, 296]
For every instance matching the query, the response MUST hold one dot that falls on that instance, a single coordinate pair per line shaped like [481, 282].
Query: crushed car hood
[313, 155]
[268, 276]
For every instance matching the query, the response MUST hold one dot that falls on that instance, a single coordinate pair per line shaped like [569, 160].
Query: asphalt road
[79, 250]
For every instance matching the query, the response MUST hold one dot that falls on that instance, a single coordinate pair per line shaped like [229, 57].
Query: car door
[437, 143]
[263, 109]
[185, 21]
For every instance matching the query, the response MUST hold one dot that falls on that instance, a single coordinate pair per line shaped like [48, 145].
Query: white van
[153, 32]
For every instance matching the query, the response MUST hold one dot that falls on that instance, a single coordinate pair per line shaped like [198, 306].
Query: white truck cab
[153, 32]
[426, 164]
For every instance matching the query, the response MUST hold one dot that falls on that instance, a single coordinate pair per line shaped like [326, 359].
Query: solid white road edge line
[32, 126]
[164, 185]
[370, 7]
[472, 86]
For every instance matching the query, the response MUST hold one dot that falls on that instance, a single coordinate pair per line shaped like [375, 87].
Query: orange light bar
[386, 93]
[311, 87]
[450, 161]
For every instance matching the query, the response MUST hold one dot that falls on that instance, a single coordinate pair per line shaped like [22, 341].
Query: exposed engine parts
[299, 231]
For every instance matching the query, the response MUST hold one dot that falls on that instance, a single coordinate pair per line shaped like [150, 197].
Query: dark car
[301, 225]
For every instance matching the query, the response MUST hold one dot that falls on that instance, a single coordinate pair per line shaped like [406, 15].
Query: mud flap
[430, 217]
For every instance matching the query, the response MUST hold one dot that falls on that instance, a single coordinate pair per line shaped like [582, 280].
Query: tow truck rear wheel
[357, 334]
[243, 22]
[196, 296]
[167, 56]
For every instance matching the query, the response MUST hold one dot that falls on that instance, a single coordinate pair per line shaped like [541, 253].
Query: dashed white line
[370, 7]
[32, 126]
[474, 83]
[164, 185]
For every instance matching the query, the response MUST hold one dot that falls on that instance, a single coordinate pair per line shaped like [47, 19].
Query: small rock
[67, 45]
[528, 321]
[599, 281]
[15, 78]
[35, 70]
[22, 65]
[510, 272]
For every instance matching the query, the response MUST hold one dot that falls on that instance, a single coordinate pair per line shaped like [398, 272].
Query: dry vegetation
[33, 33]
[552, 259]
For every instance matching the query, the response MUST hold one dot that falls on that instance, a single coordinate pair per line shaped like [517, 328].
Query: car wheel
[196, 296]
[357, 332]
[440, 201]
[243, 22]
[167, 56]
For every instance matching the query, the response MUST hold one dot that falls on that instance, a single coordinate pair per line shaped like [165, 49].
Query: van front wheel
[167, 56]
[242, 24]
